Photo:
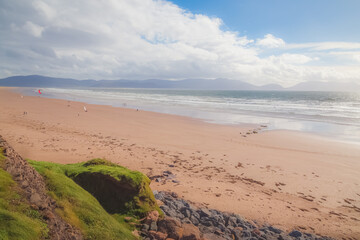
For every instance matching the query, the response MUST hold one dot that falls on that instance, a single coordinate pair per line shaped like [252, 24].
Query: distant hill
[326, 86]
[196, 84]
[217, 84]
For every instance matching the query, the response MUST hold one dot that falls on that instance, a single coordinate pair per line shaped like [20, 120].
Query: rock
[186, 212]
[158, 235]
[166, 173]
[246, 234]
[212, 236]
[236, 232]
[295, 234]
[174, 195]
[145, 227]
[153, 216]
[190, 232]
[170, 226]
[36, 199]
[48, 215]
[256, 232]
[168, 211]
[204, 212]
[186, 220]
[25, 184]
[179, 205]
[153, 227]
[194, 220]
[274, 230]
[231, 221]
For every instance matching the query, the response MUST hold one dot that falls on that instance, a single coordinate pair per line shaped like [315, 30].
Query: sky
[257, 41]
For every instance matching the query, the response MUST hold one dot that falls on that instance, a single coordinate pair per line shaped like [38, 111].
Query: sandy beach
[291, 180]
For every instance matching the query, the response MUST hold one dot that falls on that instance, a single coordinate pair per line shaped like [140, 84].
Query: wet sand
[291, 180]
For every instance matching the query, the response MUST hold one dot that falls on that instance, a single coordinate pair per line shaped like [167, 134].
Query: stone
[186, 212]
[158, 235]
[48, 215]
[194, 220]
[153, 226]
[212, 236]
[36, 199]
[236, 232]
[231, 221]
[145, 227]
[153, 216]
[295, 234]
[274, 230]
[170, 226]
[256, 232]
[204, 212]
[190, 232]
[174, 195]
[25, 184]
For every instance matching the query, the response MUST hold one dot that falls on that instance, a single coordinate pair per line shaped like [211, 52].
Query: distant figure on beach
[25, 113]
[85, 109]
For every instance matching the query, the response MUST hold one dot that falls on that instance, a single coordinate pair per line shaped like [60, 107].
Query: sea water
[331, 114]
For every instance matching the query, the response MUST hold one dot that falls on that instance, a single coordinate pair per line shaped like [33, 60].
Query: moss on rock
[94, 195]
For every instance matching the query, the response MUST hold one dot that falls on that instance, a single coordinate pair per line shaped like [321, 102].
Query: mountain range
[196, 84]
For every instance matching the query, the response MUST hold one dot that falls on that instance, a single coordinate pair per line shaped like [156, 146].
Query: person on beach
[85, 109]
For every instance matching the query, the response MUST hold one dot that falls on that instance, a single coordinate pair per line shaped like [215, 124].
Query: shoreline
[274, 122]
[273, 177]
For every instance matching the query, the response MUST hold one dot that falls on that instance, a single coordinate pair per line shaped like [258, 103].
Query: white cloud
[139, 39]
[270, 41]
[291, 58]
[322, 46]
[33, 29]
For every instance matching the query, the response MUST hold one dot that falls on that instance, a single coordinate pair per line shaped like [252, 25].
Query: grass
[83, 210]
[17, 219]
[136, 198]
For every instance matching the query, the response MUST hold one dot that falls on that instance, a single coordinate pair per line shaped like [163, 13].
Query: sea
[330, 114]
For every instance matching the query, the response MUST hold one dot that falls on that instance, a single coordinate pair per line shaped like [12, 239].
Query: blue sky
[256, 41]
[292, 20]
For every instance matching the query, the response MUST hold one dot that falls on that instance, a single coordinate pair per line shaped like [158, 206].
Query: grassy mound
[95, 196]
[17, 219]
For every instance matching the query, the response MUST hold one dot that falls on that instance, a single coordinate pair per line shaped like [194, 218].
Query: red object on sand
[39, 91]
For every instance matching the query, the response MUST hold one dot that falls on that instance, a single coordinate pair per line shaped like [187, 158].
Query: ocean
[330, 114]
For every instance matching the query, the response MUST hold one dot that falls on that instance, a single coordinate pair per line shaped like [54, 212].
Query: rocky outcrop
[185, 221]
[34, 190]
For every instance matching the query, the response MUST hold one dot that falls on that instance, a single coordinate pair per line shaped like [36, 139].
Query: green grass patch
[17, 219]
[98, 196]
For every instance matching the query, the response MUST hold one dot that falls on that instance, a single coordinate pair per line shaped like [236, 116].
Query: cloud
[140, 39]
[33, 29]
[270, 41]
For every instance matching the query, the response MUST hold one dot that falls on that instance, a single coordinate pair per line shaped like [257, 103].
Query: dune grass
[17, 219]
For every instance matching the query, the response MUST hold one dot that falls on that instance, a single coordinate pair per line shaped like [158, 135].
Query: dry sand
[287, 179]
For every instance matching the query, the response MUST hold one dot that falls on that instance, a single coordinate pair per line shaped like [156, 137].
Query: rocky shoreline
[185, 221]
